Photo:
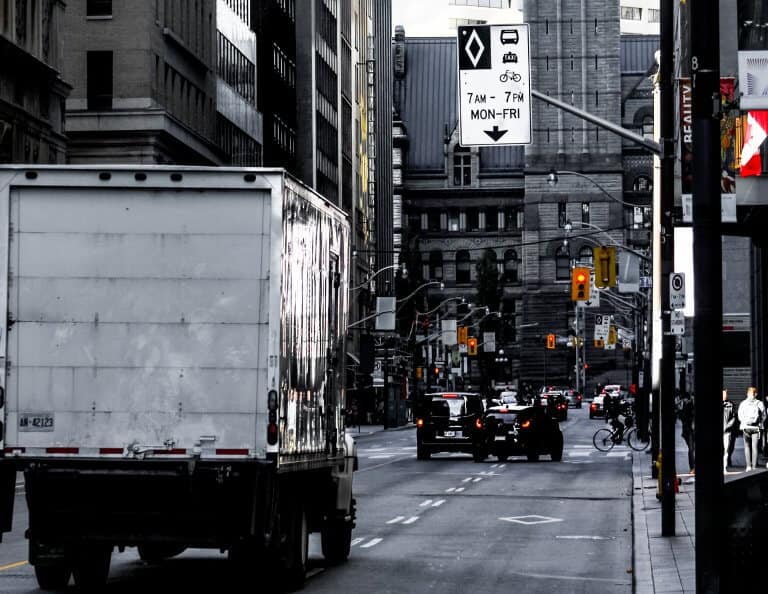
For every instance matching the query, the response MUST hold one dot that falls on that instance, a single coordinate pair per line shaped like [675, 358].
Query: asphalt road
[445, 525]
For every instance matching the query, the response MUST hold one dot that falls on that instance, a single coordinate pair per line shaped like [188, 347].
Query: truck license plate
[36, 422]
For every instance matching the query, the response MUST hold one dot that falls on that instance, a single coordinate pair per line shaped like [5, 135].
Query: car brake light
[479, 423]
[593, 406]
[578, 397]
[419, 423]
[525, 424]
[450, 396]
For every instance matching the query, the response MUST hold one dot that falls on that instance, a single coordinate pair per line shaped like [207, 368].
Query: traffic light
[605, 266]
[580, 283]
[612, 335]
[462, 334]
[550, 341]
[472, 346]
[599, 344]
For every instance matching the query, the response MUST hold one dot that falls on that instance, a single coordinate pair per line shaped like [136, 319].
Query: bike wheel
[634, 441]
[603, 439]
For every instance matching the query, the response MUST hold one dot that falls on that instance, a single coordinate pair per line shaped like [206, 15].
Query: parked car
[448, 422]
[529, 431]
[555, 403]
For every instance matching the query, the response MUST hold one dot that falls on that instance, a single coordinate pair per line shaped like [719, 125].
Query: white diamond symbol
[531, 520]
[474, 38]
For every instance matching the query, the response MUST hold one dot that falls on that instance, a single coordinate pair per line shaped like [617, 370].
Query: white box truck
[173, 347]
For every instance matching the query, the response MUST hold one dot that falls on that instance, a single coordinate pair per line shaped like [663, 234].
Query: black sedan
[529, 431]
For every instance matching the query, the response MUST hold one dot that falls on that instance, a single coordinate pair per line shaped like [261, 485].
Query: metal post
[576, 370]
[667, 377]
[707, 266]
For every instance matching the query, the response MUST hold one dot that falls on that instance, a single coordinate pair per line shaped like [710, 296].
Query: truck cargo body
[174, 347]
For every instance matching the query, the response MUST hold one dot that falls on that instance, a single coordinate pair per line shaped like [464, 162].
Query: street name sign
[494, 85]
[677, 290]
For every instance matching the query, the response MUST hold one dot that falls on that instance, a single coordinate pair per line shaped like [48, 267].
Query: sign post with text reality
[494, 85]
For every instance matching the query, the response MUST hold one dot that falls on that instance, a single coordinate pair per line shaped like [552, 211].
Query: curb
[380, 431]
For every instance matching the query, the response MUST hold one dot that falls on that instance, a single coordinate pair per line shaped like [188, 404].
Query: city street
[444, 525]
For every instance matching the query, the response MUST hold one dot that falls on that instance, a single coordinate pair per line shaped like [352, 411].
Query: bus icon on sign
[510, 36]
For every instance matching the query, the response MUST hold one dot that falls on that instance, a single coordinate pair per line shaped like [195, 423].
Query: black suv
[519, 431]
[448, 422]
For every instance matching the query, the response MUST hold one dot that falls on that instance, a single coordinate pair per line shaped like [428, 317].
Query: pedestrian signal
[580, 283]
[472, 346]
[550, 341]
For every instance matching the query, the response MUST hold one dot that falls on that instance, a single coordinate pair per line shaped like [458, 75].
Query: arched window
[586, 256]
[562, 263]
[647, 125]
[510, 266]
[463, 267]
[436, 265]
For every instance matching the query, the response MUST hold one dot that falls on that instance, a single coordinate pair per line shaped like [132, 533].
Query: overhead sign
[677, 290]
[677, 322]
[494, 85]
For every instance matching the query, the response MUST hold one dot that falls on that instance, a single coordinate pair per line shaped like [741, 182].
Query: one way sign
[494, 85]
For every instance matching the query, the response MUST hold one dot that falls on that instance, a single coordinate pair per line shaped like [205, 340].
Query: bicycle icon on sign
[508, 75]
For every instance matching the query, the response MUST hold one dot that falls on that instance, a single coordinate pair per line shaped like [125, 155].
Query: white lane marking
[579, 454]
[459, 490]
[582, 446]
[530, 520]
[501, 466]
[411, 520]
[409, 448]
[425, 503]
[371, 543]
[371, 449]
[572, 578]
[583, 537]
[494, 465]
[618, 454]
[466, 480]
[438, 503]
[396, 520]
[382, 457]
[478, 479]
[579, 462]
[356, 541]
[450, 490]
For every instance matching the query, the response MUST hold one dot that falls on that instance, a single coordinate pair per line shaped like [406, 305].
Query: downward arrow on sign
[495, 133]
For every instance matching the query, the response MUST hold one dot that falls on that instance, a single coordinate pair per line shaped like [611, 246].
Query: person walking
[685, 413]
[729, 438]
[751, 415]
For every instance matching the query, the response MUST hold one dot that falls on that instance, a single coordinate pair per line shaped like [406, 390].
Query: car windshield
[455, 406]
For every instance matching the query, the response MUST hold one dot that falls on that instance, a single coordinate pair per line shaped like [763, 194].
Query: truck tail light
[272, 433]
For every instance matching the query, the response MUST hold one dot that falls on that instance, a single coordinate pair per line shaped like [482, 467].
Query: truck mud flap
[7, 495]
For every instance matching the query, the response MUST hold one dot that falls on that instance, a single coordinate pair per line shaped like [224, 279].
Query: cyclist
[613, 411]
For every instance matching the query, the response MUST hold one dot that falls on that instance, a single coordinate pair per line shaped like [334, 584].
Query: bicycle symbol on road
[509, 75]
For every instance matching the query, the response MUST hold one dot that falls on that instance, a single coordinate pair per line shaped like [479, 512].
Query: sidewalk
[365, 430]
[662, 563]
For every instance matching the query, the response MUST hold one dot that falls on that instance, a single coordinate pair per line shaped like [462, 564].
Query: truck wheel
[336, 537]
[296, 551]
[52, 577]
[91, 568]
[152, 553]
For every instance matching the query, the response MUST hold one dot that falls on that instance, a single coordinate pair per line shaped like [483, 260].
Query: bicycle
[509, 75]
[604, 439]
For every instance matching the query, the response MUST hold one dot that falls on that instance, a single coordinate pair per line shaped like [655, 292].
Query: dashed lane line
[451, 489]
[466, 480]
[425, 503]
[371, 543]
[396, 520]
[411, 520]
[438, 503]
[477, 480]
[382, 457]
[356, 541]
[459, 490]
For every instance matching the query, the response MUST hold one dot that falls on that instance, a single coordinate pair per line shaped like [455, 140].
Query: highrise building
[32, 91]
[162, 82]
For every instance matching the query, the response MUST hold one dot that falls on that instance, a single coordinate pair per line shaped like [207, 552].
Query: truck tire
[296, 548]
[152, 553]
[336, 538]
[91, 567]
[52, 577]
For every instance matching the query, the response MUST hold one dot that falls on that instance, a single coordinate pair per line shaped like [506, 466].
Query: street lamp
[569, 227]
[417, 289]
[552, 180]
[378, 272]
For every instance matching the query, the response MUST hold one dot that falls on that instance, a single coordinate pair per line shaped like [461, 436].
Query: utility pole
[667, 377]
[707, 268]
[576, 348]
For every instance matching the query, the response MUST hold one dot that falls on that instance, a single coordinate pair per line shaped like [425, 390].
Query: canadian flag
[754, 135]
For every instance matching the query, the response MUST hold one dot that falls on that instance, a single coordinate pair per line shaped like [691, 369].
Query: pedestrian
[751, 415]
[729, 437]
[685, 413]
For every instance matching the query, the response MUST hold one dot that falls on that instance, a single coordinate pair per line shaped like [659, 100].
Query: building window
[562, 214]
[463, 267]
[642, 183]
[654, 15]
[473, 219]
[99, 81]
[510, 266]
[453, 220]
[562, 263]
[491, 219]
[462, 167]
[98, 8]
[648, 127]
[433, 220]
[585, 213]
[435, 265]
[586, 257]
[631, 13]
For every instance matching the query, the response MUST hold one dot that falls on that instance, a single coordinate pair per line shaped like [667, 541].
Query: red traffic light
[581, 277]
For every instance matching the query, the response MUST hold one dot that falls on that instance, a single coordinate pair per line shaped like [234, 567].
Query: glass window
[436, 265]
[433, 220]
[648, 127]
[642, 183]
[462, 170]
[99, 81]
[473, 219]
[654, 15]
[631, 13]
[98, 8]
[453, 219]
[562, 263]
[510, 266]
[562, 214]
[463, 267]
[585, 212]
[491, 219]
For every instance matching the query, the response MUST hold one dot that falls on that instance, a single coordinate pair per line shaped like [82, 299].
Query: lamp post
[377, 273]
[552, 180]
